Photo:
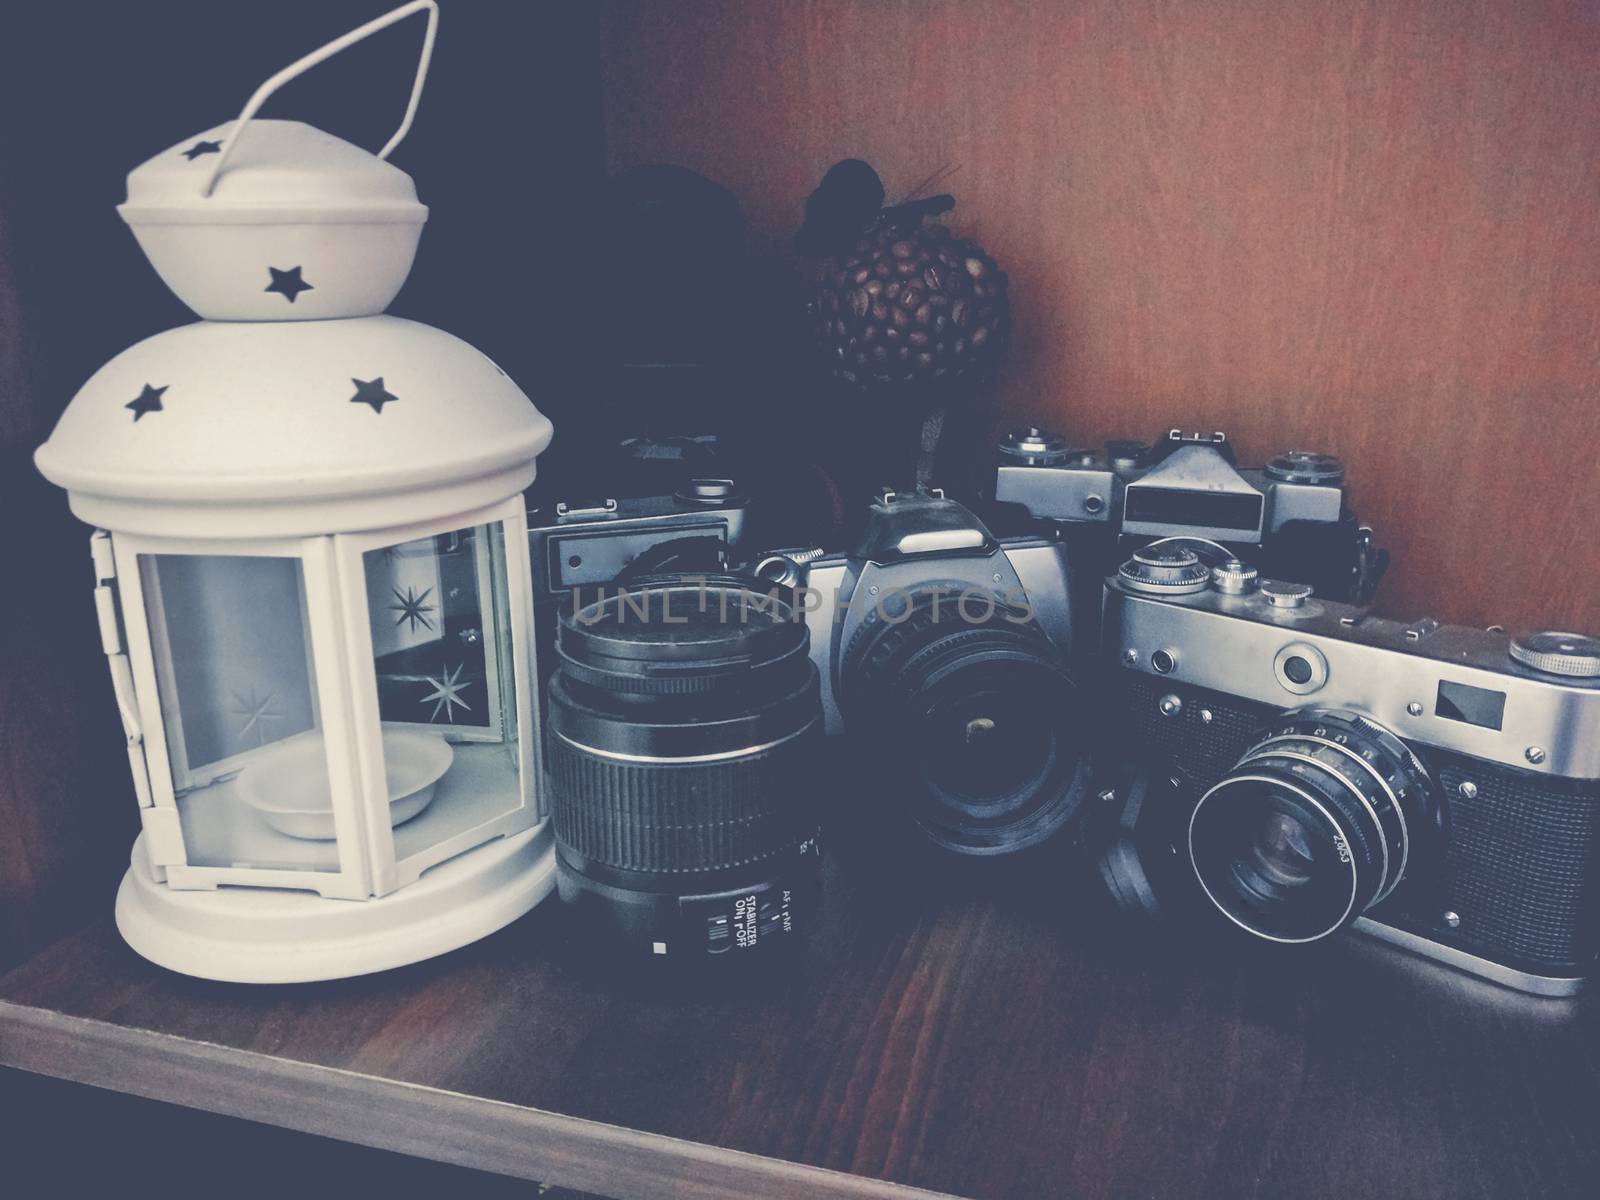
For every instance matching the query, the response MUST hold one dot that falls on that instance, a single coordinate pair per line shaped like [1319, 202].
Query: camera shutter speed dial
[1165, 571]
[1306, 466]
[1575, 655]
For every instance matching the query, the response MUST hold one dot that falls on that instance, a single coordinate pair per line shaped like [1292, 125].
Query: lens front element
[981, 715]
[1310, 828]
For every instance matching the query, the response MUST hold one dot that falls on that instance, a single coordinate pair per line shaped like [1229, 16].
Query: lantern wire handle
[303, 65]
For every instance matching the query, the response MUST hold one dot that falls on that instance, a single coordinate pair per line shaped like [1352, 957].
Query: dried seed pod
[914, 305]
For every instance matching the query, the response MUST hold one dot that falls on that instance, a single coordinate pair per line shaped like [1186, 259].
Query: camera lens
[684, 714]
[1311, 827]
[970, 700]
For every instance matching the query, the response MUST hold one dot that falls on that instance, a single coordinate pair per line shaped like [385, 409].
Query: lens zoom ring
[687, 817]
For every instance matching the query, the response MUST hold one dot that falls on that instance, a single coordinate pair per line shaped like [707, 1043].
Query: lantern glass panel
[238, 691]
[439, 612]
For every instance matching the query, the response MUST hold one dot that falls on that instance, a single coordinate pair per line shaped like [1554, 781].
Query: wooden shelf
[986, 1038]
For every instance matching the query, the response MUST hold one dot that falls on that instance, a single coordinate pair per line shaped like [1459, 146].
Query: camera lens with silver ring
[1311, 827]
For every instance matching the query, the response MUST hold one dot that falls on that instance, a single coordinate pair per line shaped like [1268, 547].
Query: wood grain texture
[1000, 1042]
[1367, 227]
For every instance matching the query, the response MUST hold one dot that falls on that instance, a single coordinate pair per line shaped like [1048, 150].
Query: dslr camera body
[942, 653]
[1307, 766]
[1290, 518]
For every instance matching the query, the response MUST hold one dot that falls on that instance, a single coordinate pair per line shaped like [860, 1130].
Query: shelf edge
[409, 1118]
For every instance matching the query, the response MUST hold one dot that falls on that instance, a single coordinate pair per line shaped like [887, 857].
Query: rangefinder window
[1201, 510]
[1470, 705]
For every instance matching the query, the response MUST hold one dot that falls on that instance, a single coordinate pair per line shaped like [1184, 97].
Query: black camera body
[590, 545]
[942, 652]
[582, 547]
[1289, 746]
[1289, 519]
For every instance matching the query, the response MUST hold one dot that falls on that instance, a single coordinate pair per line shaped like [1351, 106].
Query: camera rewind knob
[1281, 594]
[1306, 466]
[1164, 571]
[710, 492]
[1575, 655]
[1035, 447]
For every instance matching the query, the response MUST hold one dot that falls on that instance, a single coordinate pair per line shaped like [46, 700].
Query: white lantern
[312, 573]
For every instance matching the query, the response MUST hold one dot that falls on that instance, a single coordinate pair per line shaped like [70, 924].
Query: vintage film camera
[1290, 518]
[583, 546]
[942, 653]
[1307, 767]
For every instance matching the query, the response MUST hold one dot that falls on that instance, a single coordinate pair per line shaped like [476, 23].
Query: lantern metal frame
[388, 872]
[340, 647]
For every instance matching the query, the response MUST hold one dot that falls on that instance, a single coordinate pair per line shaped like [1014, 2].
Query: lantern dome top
[275, 221]
[234, 430]
[280, 172]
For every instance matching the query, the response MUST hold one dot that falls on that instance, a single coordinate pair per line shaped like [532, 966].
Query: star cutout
[147, 401]
[372, 391]
[199, 148]
[287, 284]
[256, 711]
[413, 608]
[446, 694]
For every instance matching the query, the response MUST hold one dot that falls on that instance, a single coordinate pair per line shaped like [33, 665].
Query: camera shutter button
[1285, 595]
[1233, 577]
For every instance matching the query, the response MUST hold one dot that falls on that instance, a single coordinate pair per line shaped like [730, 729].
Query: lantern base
[263, 935]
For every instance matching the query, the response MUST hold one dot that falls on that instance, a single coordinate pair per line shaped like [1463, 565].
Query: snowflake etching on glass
[446, 694]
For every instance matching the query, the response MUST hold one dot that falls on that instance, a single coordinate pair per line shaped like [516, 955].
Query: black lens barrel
[684, 713]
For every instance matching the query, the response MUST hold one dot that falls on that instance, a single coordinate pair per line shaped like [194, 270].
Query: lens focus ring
[683, 817]
[1309, 828]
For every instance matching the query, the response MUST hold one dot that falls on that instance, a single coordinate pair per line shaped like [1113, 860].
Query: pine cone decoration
[911, 307]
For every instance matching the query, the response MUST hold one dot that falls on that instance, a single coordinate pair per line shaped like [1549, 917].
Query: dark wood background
[1370, 227]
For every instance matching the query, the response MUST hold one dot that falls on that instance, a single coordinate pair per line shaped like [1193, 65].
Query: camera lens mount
[1311, 827]
[974, 703]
